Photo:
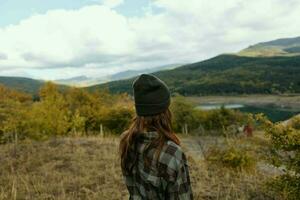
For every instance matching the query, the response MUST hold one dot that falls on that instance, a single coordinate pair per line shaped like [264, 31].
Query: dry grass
[214, 181]
[83, 168]
[88, 168]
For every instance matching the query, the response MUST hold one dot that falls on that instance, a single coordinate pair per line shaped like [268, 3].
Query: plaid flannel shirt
[165, 178]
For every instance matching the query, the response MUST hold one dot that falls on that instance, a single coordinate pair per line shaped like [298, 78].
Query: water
[275, 114]
[218, 106]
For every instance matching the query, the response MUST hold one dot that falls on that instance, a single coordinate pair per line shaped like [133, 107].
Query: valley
[288, 102]
[275, 107]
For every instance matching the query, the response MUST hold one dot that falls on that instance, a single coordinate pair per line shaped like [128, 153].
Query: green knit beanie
[151, 95]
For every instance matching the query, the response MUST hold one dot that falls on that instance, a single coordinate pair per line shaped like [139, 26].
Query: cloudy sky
[66, 38]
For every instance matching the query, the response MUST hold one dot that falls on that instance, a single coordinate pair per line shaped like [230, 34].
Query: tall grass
[88, 168]
[83, 168]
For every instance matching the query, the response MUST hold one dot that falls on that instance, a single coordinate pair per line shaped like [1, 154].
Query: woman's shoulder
[172, 155]
[173, 149]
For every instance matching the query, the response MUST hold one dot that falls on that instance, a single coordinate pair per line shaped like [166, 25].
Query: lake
[275, 114]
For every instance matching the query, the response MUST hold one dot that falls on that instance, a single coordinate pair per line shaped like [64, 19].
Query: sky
[66, 38]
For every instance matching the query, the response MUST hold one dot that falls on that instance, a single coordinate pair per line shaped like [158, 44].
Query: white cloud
[3, 56]
[67, 38]
[96, 40]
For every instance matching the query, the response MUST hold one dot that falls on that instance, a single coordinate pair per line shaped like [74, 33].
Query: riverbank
[285, 102]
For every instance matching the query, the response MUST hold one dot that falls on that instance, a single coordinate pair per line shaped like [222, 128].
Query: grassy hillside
[255, 70]
[284, 42]
[27, 85]
[279, 47]
[227, 74]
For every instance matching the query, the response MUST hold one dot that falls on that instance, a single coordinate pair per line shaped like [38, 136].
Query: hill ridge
[227, 74]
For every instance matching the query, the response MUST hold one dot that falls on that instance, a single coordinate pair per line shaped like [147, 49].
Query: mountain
[279, 47]
[84, 81]
[72, 81]
[32, 86]
[132, 73]
[27, 85]
[265, 68]
[227, 74]
[224, 74]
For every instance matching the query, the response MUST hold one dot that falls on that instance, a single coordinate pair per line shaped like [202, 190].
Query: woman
[153, 163]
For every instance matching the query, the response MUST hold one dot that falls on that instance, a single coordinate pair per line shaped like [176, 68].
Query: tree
[183, 115]
[13, 111]
[117, 118]
[50, 116]
[78, 123]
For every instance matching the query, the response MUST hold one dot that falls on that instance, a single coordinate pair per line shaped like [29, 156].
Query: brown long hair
[160, 123]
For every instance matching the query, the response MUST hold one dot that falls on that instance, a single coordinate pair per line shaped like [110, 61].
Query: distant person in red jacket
[248, 130]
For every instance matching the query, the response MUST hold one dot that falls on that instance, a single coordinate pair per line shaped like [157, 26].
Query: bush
[221, 119]
[117, 119]
[62, 113]
[186, 116]
[285, 140]
[13, 116]
[286, 185]
[232, 157]
[296, 122]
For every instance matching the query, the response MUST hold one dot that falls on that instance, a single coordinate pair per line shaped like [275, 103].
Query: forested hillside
[279, 47]
[227, 74]
[22, 84]
[27, 85]
[265, 68]
[221, 75]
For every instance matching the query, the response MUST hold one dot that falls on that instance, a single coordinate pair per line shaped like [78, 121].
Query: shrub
[286, 185]
[285, 140]
[184, 115]
[232, 157]
[62, 113]
[223, 118]
[296, 122]
[117, 119]
[237, 159]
